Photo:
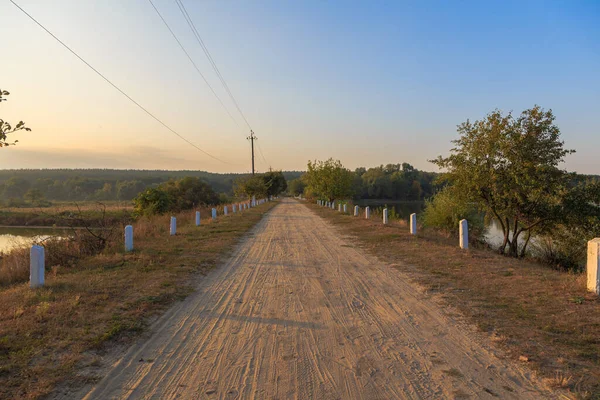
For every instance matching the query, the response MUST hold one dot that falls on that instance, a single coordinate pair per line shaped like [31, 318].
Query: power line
[115, 86]
[192, 26]
[261, 153]
[193, 63]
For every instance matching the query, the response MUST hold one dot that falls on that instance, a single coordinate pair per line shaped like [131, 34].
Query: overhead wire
[192, 26]
[261, 153]
[193, 63]
[115, 86]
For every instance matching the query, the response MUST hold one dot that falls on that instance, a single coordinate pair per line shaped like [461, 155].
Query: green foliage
[329, 180]
[250, 186]
[188, 193]
[271, 183]
[275, 182]
[565, 246]
[106, 184]
[34, 197]
[445, 210]
[296, 187]
[393, 181]
[508, 166]
[6, 128]
[175, 195]
[152, 201]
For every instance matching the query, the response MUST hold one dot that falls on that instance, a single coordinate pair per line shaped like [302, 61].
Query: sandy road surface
[297, 313]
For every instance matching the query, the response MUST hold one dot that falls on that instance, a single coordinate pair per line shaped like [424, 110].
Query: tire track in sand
[297, 314]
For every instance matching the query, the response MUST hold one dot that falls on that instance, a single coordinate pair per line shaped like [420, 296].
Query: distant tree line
[37, 186]
[331, 180]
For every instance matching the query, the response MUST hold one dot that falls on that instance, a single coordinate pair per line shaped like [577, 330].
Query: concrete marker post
[233, 208]
[339, 208]
[173, 227]
[385, 216]
[214, 214]
[593, 266]
[413, 224]
[367, 212]
[345, 208]
[37, 267]
[225, 210]
[197, 218]
[128, 238]
[356, 210]
[463, 234]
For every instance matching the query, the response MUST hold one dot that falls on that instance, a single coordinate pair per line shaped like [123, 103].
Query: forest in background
[38, 186]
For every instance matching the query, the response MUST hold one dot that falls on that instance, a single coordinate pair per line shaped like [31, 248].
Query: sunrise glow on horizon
[366, 83]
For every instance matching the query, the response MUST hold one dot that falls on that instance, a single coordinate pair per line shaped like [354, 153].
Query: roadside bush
[445, 210]
[564, 248]
[175, 195]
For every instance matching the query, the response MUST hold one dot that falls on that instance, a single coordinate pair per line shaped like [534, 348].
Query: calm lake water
[13, 237]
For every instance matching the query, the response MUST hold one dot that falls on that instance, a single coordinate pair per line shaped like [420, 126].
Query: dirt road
[298, 312]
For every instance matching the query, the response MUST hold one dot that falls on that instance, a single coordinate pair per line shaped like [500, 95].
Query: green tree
[248, 186]
[329, 179]
[189, 192]
[508, 166]
[34, 196]
[15, 188]
[152, 201]
[6, 128]
[275, 182]
[296, 186]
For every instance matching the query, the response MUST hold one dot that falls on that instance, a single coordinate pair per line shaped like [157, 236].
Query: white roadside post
[385, 216]
[367, 213]
[413, 224]
[345, 208]
[173, 227]
[36, 266]
[225, 210]
[333, 205]
[463, 234]
[197, 218]
[253, 201]
[339, 208]
[356, 210]
[214, 213]
[593, 266]
[128, 238]
[233, 208]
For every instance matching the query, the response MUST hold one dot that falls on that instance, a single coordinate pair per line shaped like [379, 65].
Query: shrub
[445, 210]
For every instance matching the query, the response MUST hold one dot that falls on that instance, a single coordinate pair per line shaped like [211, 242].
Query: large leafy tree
[6, 128]
[270, 183]
[252, 185]
[329, 179]
[509, 167]
[275, 182]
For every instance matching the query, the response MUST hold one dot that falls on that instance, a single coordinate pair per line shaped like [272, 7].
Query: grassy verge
[49, 334]
[537, 315]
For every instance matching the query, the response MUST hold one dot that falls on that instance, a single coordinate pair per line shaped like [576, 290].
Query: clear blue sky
[366, 82]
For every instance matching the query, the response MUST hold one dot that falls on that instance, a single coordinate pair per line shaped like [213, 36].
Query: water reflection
[15, 237]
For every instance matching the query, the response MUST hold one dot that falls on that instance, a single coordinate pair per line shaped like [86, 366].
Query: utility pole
[252, 138]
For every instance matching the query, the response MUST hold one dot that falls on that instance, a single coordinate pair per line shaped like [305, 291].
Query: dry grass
[529, 310]
[50, 335]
